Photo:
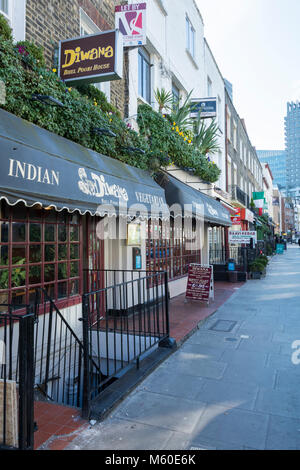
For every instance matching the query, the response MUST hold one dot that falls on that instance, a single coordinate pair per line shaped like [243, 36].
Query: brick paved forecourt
[232, 384]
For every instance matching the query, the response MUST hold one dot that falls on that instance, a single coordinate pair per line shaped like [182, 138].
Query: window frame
[190, 37]
[144, 88]
[3, 12]
[169, 253]
[45, 219]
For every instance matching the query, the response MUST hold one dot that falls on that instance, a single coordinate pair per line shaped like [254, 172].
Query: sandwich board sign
[200, 285]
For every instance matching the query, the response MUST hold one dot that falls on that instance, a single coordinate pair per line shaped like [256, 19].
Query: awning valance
[195, 203]
[39, 167]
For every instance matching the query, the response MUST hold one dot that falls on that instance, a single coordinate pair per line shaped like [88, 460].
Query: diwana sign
[91, 59]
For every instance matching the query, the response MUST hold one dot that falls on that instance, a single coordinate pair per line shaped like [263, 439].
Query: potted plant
[257, 268]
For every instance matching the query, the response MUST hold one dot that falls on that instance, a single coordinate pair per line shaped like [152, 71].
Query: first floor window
[190, 37]
[175, 94]
[144, 75]
[4, 7]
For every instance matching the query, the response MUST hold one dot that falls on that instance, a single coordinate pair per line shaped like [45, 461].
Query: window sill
[192, 59]
[142, 100]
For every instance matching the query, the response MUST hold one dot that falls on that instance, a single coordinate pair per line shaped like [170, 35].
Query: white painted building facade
[14, 11]
[268, 187]
[178, 59]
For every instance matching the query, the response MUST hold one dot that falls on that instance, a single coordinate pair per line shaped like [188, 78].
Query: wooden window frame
[47, 218]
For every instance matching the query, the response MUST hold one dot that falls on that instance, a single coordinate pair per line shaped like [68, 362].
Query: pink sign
[199, 282]
[131, 21]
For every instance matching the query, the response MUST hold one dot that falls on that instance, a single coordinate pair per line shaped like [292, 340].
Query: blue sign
[206, 106]
[279, 249]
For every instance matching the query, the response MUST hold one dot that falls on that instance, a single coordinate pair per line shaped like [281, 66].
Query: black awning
[196, 203]
[39, 167]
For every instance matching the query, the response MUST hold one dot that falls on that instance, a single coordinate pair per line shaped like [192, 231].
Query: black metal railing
[224, 254]
[16, 378]
[123, 318]
[239, 195]
[58, 352]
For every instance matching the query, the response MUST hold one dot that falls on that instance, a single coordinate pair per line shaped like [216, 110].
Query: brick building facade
[49, 21]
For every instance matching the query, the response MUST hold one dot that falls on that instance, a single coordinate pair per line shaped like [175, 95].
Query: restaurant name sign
[91, 59]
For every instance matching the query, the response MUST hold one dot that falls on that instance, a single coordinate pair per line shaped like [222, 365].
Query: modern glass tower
[292, 145]
[277, 162]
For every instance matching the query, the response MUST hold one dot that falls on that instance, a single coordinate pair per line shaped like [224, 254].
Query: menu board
[200, 282]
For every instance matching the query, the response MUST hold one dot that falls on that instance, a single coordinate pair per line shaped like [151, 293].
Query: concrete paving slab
[120, 434]
[259, 345]
[280, 402]
[247, 358]
[170, 382]
[229, 394]
[205, 351]
[196, 365]
[235, 426]
[283, 434]
[260, 375]
[161, 410]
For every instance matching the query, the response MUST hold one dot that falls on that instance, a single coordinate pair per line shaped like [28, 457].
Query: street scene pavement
[234, 384]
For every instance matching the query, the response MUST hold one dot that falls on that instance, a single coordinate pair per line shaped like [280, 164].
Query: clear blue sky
[257, 46]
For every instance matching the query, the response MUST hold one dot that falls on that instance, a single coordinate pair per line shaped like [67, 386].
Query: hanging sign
[206, 106]
[200, 283]
[131, 21]
[242, 237]
[236, 218]
[91, 59]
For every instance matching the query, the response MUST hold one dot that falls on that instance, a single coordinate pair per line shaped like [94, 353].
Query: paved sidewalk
[234, 389]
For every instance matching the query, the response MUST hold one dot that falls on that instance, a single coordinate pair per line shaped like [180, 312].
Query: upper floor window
[209, 87]
[235, 135]
[4, 7]
[228, 118]
[175, 94]
[190, 37]
[144, 75]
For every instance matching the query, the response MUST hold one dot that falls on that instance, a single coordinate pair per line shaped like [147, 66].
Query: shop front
[63, 208]
[197, 232]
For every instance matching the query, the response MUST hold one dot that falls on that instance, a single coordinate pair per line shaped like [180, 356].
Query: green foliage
[181, 113]
[263, 259]
[79, 116]
[206, 137]
[164, 99]
[257, 266]
[23, 73]
[5, 29]
[170, 145]
[90, 91]
[32, 54]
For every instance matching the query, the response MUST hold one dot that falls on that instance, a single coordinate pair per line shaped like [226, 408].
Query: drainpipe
[226, 174]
